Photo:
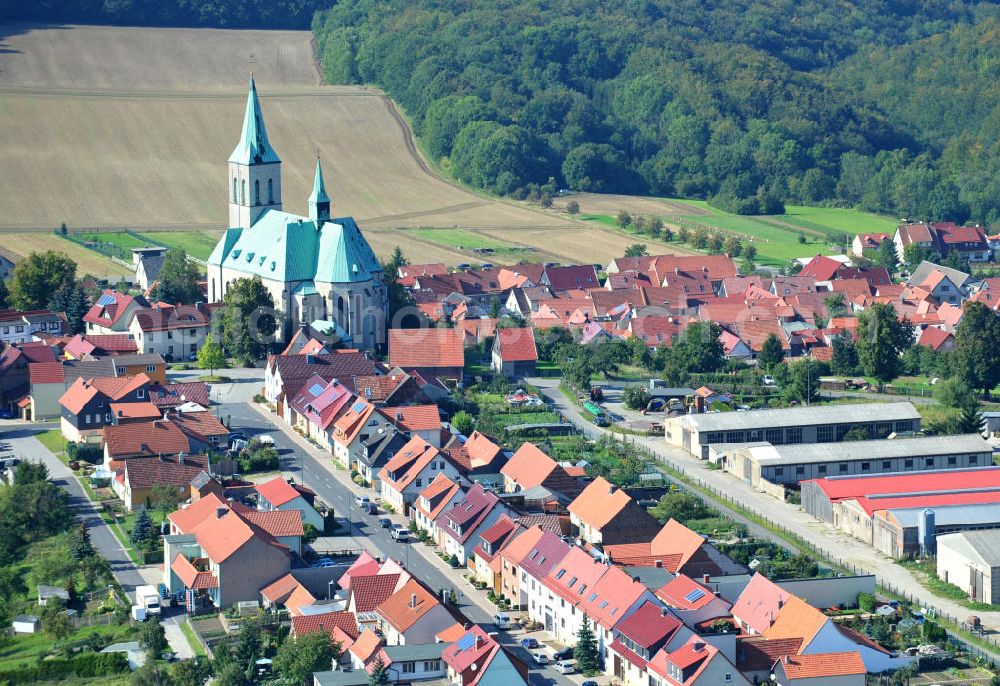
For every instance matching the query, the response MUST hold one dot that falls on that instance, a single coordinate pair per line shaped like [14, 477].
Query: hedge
[82, 666]
[87, 452]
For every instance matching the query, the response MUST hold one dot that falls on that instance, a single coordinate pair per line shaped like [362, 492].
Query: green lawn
[195, 243]
[26, 649]
[119, 239]
[53, 440]
[840, 220]
[457, 238]
[605, 219]
[191, 639]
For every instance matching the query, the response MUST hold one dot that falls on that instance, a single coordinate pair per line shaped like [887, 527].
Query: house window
[929, 462]
[886, 465]
[121, 370]
[407, 667]
[843, 467]
[800, 470]
[973, 459]
[140, 393]
[429, 665]
[418, 483]
[952, 461]
[86, 419]
[866, 466]
[18, 329]
[908, 464]
[150, 367]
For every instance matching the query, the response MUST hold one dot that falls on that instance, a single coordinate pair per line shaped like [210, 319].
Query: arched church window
[256, 192]
[270, 191]
[234, 189]
[243, 192]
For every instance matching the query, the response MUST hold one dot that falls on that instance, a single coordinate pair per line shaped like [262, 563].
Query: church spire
[319, 201]
[253, 148]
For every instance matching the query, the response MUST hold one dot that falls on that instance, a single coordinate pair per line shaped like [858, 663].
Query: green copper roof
[285, 247]
[319, 188]
[253, 147]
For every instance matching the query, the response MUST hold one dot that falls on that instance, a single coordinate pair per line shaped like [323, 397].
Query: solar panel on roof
[466, 641]
[106, 299]
[695, 595]
[358, 406]
[316, 389]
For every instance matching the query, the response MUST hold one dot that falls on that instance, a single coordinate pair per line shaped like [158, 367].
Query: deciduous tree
[771, 354]
[211, 356]
[38, 276]
[178, 279]
[299, 657]
[977, 341]
[249, 321]
[636, 250]
[882, 338]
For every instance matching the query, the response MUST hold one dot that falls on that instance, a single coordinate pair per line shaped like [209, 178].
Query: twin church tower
[315, 267]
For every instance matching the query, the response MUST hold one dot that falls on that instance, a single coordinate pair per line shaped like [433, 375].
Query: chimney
[658, 564]
[413, 600]
[611, 489]
[705, 578]
[663, 612]
[120, 413]
[479, 641]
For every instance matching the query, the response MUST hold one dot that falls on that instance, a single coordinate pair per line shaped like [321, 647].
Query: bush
[82, 666]
[866, 602]
[635, 397]
[86, 452]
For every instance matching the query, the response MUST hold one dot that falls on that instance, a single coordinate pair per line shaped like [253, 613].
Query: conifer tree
[585, 652]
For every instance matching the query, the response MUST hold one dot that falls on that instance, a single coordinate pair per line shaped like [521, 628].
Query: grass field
[88, 261]
[195, 243]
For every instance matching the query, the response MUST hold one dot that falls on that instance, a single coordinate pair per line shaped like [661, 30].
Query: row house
[416, 465]
[440, 494]
[462, 522]
[285, 375]
[605, 514]
[23, 326]
[316, 406]
[476, 658]
[85, 407]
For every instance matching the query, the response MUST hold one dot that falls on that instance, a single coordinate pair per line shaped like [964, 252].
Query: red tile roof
[108, 315]
[819, 665]
[672, 547]
[405, 607]
[685, 593]
[82, 345]
[821, 268]
[923, 483]
[439, 494]
[145, 438]
[277, 491]
[759, 603]
[517, 345]
[173, 394]
[934, 338]
[174, 317]
[141, 410]
[45, 372]
[649, 625]
[83, 390]
[408, 463]
[327, 621]
[278, 590]
[599, 503]
[414, 417]
[219, 529]
[202, 425]
[365, 565]
[369, 592]
[146, 472]
[277, 523]
[190, 576]
[568, 278]
[426, 348]
[756, 653]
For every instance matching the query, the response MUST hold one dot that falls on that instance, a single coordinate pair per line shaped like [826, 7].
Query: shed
[971, 561]
[133, 652]
[26, 624]
[45, 593]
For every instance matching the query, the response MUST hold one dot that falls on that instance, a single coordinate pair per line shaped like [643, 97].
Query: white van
[564, 667]
[502, 620]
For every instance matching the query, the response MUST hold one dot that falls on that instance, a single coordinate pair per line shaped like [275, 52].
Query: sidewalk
[839, 547]
[343, 477]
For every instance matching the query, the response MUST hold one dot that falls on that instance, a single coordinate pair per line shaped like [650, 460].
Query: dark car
[564, 654]
[529, 643]
[589, 683]
[370, 508]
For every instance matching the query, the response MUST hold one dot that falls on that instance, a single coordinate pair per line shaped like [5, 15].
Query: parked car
[362, 501]
[564, 654]
[768, 380]
[540, 658]
[564, 667]
[385, 523]
[400, 533]
[589, 682]
[371, 508]
[324, 562]
[265, 439]
[529, 643]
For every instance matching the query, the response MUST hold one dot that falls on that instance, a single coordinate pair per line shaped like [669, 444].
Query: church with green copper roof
[316, 267]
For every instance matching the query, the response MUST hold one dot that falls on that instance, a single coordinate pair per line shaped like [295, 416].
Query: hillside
[739, 102]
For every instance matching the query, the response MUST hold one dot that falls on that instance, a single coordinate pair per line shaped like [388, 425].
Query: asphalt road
[307, 470]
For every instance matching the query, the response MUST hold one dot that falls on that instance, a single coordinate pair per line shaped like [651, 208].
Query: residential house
[393, 389]
[147, 439]
[171, 395]
[132, 413]
[112, 313]
[278, 494]
[824, 669]
[227, 552]
[202, 428]
[694, 603]
[476, 456]
[341, 627]
[936, 339]
[355, 425]
[868, 242]
[148, 263]
[317, 406]
[83, 346]
[412, 615]
[417, 464]
[150, 364]
[605, 514]
[48, 383]
[696, 663]
[85, 406]
[544, 554]
[432, 353]
[575, 277]
[514, 353]
[285, 375]
[486, 555]
[374, 450]
[943, 289]
[639, 637]
[511, 557]
[135, 483]
[476, 659]
[416, 420]
[530, 467]
[677, 549]
[175, 332]
[437, 496]
[15, 387]
[23, 326]
[465, 519]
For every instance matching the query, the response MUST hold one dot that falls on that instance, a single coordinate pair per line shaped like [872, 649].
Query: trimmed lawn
[840, 220]
[188, 632]
[54, 441]
[457, 238]
[198, 244]
[119, 239]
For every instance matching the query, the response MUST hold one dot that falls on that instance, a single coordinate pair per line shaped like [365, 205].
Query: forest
[886, 105]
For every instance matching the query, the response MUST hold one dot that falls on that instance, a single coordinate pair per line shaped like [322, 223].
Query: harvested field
[605, 203]
[147, 118]
[88, 261]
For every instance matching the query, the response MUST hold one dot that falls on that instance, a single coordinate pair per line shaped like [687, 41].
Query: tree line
[742, 104]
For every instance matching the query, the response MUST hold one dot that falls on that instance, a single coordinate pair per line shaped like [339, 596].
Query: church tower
[254, 169]
[319, 201]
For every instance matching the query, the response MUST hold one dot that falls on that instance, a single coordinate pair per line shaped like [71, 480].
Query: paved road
[838, 546]
[313, 467]
[23, 443]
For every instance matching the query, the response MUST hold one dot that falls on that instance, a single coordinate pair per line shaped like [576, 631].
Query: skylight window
[560, 573]
[571, 582]
[604, 604]
[533, 555]
[592, 598]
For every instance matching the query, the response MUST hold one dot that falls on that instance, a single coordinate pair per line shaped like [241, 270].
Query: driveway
[844, 549]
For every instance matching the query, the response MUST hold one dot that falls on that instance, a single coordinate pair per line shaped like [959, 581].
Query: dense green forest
[268, 14]
[749, 103]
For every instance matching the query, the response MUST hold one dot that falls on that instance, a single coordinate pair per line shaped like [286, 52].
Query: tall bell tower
[254, 184]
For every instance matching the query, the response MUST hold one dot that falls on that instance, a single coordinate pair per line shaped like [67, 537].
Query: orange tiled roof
[822, 665]
[426, 348]
[411, 459]
[407, 605]
[278, 590]
[517, 345]
[277, 491]
[145, 438]
[796, 619]
[414, 417]
[529, 466]
[83, 390]
[325, 621]
[599, 503]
